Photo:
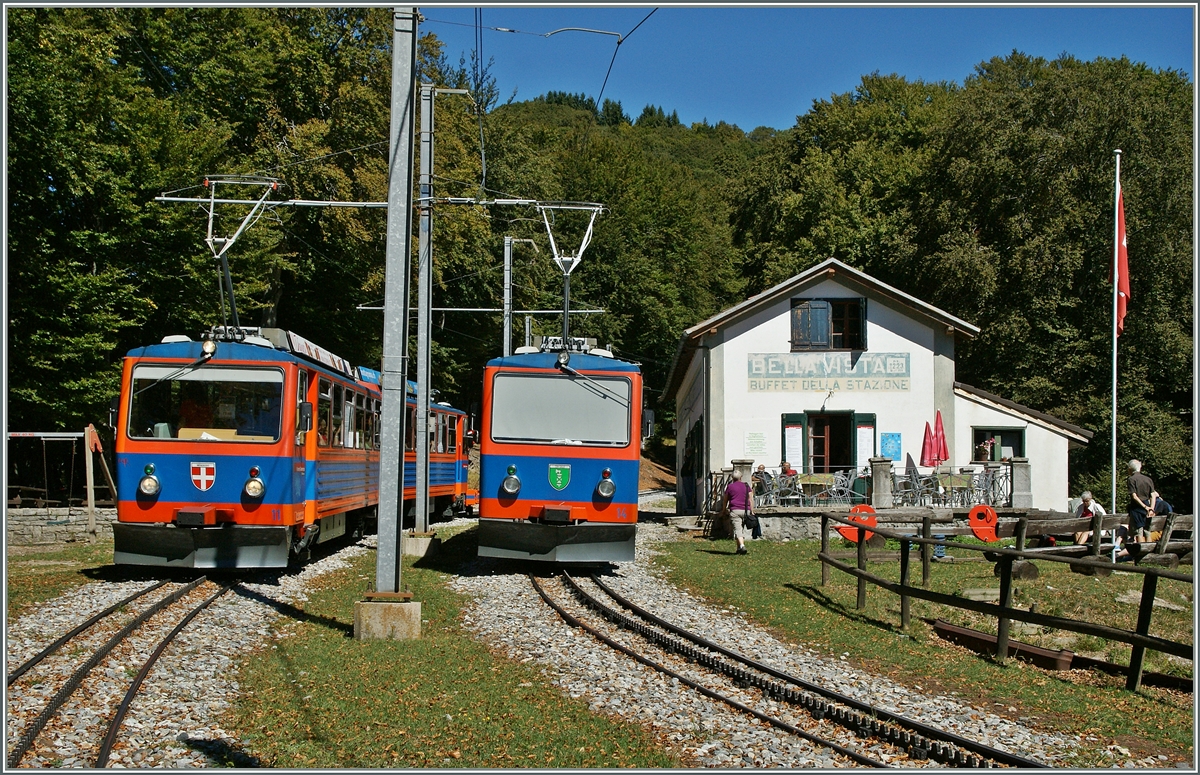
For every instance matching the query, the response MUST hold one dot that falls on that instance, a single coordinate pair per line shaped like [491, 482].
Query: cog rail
[778, 723]
[920, 739]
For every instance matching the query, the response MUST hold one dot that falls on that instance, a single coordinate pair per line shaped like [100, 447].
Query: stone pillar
[1022, 484]
[745, 466]
[881, 482]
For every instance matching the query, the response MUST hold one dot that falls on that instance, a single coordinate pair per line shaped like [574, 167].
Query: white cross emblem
[203, 475]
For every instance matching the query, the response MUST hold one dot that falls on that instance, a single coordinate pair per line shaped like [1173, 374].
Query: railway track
[798, 707]
[180, 605]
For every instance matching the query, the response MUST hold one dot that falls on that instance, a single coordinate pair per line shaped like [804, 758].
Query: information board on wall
[793, 446]
[866, 445]
[889, 445]
[755, 444]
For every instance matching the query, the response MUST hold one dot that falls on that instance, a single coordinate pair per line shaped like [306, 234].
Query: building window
[997, 444]
[829, 324]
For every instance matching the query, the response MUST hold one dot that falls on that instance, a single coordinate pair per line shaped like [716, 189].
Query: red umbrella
[942, 453]
[928, 448]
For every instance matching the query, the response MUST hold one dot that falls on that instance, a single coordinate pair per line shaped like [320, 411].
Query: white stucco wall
[746, 412]
[889, 330]
[1045, 447]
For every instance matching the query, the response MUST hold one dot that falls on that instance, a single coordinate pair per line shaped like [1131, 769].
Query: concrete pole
[424, 291]
[508, 244]
[395, 310]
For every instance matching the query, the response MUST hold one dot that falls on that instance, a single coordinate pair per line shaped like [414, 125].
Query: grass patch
[39, 573]
[778, 586]
[319, 698]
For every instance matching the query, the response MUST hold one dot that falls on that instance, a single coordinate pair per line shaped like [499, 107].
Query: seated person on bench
[1088, 508]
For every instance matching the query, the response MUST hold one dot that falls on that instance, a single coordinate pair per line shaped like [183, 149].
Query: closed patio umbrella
[928, 448]
[942, 451]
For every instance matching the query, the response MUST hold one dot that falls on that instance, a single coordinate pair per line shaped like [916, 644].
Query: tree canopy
[991, 199]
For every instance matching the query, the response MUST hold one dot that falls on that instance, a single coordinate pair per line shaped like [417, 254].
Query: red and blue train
[248, 447]
[560, 444]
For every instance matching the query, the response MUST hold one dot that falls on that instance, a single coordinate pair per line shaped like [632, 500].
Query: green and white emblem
[560, 476]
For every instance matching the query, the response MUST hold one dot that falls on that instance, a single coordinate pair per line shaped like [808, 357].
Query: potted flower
[983, 451]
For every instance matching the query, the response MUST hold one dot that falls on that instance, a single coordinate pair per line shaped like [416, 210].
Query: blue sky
[763, 66]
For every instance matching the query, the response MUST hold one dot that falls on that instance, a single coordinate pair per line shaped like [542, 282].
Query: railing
[1139, 638]
[992, 486]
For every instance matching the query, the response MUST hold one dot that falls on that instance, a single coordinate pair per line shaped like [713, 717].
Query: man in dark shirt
[1141, 501]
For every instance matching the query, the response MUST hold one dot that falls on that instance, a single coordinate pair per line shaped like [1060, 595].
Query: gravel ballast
[177, 720]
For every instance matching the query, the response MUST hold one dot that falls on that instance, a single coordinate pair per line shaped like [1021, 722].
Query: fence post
[88, 435]
[824, 548]
[926, 550]
[1138, 658]
[905, 545]
[1006, 564]
[1097, 523]
[862, 565]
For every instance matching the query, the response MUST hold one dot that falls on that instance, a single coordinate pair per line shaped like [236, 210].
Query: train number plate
[560, 476]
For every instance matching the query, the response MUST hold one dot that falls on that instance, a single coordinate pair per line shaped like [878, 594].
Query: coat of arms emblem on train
[560, 476]
[203, 475]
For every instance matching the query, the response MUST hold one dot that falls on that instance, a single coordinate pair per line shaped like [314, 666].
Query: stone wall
[28, 527]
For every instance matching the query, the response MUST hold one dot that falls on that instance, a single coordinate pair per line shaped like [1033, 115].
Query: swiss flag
[1122, 262]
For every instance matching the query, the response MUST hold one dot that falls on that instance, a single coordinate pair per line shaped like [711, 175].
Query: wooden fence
[1139, 638]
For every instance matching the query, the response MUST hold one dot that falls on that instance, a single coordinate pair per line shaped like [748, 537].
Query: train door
[299, 460]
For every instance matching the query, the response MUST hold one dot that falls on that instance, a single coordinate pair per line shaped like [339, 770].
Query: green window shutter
[810, 325]
[862, 324]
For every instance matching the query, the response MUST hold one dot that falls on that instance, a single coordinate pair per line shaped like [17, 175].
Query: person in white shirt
[1088, 508]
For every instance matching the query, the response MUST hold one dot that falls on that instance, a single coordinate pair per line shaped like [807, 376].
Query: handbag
[750, 520]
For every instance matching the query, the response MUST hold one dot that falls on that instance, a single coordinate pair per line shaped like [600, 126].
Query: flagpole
[1116, 275]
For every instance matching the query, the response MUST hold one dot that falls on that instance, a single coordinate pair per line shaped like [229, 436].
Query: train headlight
[254, 487]
[564, 358]
[149, 484]
[606, 488]
[511, 483]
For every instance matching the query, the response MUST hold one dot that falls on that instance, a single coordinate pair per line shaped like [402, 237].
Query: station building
[833, 367]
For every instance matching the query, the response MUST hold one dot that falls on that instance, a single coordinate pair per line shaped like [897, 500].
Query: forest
[991, 198]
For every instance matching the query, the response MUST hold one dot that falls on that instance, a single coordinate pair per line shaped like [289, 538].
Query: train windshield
[561, 409]
[206, 403]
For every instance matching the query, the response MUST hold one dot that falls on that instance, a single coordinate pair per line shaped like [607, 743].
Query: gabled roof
[1073, 432]
[827, 269]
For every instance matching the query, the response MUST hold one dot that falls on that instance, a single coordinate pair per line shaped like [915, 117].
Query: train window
[410, 442]
[431, 426]
[211, 403]
[452, 433]
[375, 423]
[338, 434]
[441, 437]
[553, 409]
[324, 408]
[360, 421]
[301, 397]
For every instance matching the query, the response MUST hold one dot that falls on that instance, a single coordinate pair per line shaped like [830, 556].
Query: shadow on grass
[823, 600]
[297, 613]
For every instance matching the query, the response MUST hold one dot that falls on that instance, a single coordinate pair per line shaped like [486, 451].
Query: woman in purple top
[738, 502]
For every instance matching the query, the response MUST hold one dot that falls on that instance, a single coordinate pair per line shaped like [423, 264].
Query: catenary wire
[614, 56]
